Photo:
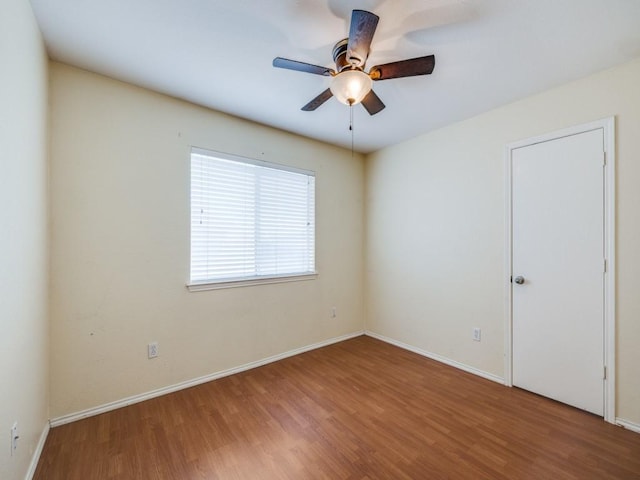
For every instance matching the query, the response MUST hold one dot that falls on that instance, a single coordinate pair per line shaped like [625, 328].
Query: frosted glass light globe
[351, 86]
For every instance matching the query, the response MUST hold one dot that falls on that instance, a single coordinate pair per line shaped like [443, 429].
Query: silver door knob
[519, 280]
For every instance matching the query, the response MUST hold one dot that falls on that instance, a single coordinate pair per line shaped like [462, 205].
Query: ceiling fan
[350, 83]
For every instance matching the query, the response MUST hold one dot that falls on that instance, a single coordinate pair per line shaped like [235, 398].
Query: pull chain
[351, 125]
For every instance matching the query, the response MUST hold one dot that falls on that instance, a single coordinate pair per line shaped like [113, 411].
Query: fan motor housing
[340, 55]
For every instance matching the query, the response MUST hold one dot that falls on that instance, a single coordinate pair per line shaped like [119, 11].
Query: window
[250, 221]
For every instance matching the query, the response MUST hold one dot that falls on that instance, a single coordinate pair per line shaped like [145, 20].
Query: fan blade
[301, 66]
[372, 103]
[404, 68]
[363, 26]
[319, 100]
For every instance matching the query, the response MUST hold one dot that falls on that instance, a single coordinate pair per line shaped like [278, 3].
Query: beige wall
[435, 227]
[120, 245]
[24, 341]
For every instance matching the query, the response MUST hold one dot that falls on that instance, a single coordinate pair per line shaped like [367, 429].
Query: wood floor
[360, 409]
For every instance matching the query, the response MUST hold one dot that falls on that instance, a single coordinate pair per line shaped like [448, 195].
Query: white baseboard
[438, 358]
[36, 455]
[634, 427]
[107, 407]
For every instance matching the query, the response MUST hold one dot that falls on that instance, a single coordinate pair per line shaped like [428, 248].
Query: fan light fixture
[351, 86]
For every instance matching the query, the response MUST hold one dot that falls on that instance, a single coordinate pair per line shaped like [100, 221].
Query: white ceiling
[218, 53]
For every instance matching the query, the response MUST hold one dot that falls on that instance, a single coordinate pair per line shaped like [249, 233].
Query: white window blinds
[249, 219]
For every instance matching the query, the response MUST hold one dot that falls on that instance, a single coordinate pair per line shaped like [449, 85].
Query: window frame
[214, 284]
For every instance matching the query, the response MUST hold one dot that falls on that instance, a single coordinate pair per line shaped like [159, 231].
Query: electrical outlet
[476, 334]
[14, 437]
[152, 349]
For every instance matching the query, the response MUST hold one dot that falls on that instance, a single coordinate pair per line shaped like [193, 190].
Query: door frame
[609, 360]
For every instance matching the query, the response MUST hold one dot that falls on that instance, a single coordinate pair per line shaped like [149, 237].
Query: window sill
[247, 282]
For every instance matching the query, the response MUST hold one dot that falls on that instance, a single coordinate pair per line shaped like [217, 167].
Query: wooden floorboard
[360, 409]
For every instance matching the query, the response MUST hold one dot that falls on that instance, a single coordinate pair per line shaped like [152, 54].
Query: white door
[558, 253]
